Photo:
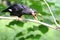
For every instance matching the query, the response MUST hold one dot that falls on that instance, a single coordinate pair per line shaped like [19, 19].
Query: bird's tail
[8, 4]
[5, 10]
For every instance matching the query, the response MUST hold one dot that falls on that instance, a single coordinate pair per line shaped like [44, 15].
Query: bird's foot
[17, 18]
[20, 19]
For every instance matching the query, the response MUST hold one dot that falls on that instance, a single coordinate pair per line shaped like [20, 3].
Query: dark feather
[18, 10]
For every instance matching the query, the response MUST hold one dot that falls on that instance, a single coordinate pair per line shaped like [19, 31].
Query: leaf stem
[51, 13]
[35, 21]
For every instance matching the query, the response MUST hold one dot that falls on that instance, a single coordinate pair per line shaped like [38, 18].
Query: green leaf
[43, 29]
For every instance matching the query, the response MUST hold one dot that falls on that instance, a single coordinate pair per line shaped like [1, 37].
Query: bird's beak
[34, 14]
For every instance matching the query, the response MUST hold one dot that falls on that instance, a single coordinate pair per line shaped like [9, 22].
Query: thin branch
[50, 26]
[51, 13]
[35, 21]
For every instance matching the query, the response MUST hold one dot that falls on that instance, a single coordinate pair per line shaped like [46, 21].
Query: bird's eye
[10, 10]
[35, 11]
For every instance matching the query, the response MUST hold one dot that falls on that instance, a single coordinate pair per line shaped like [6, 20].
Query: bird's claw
[19, 19]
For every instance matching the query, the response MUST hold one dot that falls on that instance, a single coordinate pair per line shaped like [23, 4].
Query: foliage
[17, 30]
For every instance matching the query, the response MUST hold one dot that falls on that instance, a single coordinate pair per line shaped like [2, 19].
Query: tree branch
[51, 13]
[35, 21]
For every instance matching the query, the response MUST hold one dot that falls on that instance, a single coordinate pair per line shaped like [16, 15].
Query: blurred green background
[17, 30]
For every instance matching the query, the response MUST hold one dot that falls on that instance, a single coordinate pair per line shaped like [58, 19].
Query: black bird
[19, 10]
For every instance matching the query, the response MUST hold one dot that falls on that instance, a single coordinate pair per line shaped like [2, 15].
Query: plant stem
[35, 21]
[51, 14]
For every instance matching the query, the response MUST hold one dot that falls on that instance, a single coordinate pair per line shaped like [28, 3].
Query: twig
[35, 21]
[50, 26]
[51, 13]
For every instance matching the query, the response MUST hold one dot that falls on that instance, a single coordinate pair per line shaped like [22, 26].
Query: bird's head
[34, 13]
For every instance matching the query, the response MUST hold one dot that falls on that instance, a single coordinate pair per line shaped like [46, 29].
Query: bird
[19, 10]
